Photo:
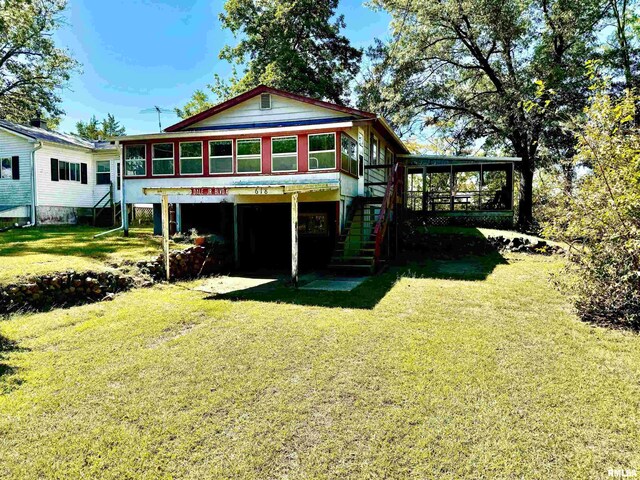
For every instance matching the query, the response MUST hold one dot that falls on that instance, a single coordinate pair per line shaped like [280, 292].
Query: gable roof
[50, 136]
[184, 124]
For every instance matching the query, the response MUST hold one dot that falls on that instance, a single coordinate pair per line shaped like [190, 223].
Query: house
[249, 168]
[48, 177]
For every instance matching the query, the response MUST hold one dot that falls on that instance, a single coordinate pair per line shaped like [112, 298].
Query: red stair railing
[388, 204]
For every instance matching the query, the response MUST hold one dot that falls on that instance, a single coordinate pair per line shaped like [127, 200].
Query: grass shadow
[374, 289]
[8, 378]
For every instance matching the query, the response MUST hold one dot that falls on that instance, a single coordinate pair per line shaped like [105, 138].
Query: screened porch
[464, 190]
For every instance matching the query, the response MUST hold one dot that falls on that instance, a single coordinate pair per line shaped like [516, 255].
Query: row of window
[248, 158]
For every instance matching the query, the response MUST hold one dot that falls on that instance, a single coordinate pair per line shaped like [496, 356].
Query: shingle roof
[54, 137]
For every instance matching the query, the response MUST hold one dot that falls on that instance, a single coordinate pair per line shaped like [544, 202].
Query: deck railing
[387, 208]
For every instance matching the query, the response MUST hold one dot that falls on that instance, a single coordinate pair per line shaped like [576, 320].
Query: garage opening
[264, 235]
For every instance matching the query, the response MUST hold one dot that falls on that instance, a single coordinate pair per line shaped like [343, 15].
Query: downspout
[34, 196]
[123, 212]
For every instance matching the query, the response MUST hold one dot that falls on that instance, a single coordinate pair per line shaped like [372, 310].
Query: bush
[600, 218]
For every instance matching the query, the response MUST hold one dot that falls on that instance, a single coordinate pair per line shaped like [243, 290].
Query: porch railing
[387, 208]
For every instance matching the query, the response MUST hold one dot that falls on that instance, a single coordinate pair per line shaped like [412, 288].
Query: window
[191, 158]
[6, 170]
[221, 156]
[249, 155]
[383, 158]
[361, 151]
[135, 164]
[162, 159]
[103, 172]
[313, 224]
[373, 159]
[69, 171]
[322, 151]
[349, 149]
[118, 176]
[284, 154]
[265, 101]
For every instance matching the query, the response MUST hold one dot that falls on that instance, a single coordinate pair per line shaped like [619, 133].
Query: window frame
[335, 153]
[10, 177]
[201, 157]
[173, 160]
[66, 166]
[239, 157]
[98, 162]
[129, 160]
[233, 166]
[355, 159]
[279, 155]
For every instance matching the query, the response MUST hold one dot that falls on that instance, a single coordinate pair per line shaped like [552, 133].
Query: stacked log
[189, 263]
[62, 289]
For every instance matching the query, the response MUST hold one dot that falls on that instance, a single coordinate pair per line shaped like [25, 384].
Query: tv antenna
[159, 111]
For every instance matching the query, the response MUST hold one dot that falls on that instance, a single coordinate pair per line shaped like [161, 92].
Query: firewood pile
[189, 263]
[61, 290]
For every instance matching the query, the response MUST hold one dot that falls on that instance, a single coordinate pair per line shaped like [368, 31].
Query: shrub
[600, 218]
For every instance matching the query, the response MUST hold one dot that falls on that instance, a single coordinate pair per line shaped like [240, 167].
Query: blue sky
[140, 53]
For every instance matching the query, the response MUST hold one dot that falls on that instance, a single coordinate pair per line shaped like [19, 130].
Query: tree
[109, 127]
[477, 67]
[291, 45]
[600, 218]
[623, 52]
[32, 68]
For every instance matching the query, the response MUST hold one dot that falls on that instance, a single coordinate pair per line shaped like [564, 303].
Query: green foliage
[472, 68]
[32, 68]
[294, 46]
[108, 127]
[600, 218]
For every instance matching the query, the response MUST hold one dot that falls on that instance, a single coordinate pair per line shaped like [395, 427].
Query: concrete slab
[226, 284]
[335, 284]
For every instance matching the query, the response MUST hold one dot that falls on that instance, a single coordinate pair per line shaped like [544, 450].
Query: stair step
[342, 266]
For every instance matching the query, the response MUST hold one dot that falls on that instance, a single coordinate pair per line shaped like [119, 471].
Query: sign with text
[209, 191]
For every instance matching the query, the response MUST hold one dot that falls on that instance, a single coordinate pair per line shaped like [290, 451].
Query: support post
[236, 239]
[165, 233]
[294, 239]
[178, 217]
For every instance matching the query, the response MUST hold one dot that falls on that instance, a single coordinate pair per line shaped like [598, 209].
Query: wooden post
[294, 239]
[165, 233]
[236, 239]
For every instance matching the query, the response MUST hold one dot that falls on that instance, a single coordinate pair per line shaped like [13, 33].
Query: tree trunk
[525, 200]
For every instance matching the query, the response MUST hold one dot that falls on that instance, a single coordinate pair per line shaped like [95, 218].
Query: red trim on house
[257, 91]
[303, 153]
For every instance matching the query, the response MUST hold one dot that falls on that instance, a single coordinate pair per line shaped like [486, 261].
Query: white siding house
[66, 185]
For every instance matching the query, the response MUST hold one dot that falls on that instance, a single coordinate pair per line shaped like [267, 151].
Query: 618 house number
[262, 191]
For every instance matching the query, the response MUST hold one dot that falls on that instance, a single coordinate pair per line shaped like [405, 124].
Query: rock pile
[189, 263]
[524, 245]
[61, 290]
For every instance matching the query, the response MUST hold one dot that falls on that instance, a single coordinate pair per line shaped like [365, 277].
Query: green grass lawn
[473, 368]
[42, 250]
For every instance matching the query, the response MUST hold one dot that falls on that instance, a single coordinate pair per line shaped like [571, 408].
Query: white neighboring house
[48, 177]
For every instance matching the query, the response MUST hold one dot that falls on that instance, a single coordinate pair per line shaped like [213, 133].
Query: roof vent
[265, 101]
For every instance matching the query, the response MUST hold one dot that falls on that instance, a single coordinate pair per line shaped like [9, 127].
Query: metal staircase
[365, 242]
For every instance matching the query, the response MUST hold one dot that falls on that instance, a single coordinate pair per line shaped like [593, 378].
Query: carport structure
[462, 190]
[255, 193]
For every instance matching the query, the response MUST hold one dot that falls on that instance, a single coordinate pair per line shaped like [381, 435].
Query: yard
[42, 250]
[471, 368]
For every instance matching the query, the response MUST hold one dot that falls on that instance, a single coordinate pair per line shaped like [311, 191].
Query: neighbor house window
[191, 158]
[349, 154]
[284, 154]
[135, 163]
[6, 170]
[322, 151]
[249, 155]
[162, 159]
[69, 171]
[103, 172]
[220, 156]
